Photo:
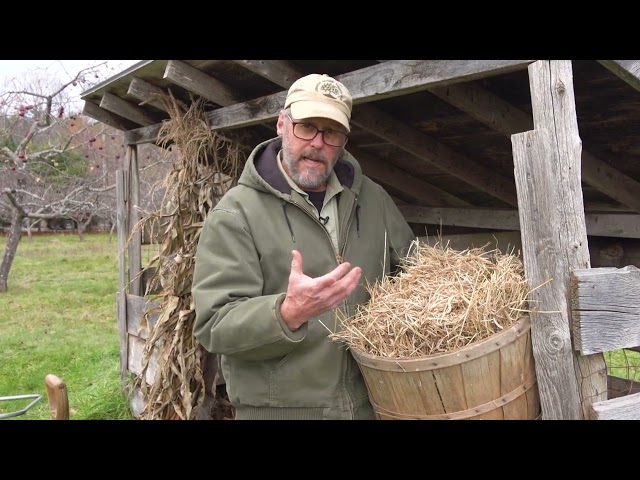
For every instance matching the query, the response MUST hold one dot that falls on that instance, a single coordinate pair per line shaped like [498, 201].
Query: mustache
[315, 156]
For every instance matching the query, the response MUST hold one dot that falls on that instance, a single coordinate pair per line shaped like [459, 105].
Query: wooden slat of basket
[482, 383]
[474, 413]
[511, 358]
[451, 382]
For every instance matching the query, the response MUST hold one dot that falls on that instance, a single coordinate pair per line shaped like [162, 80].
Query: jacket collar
[265, 157]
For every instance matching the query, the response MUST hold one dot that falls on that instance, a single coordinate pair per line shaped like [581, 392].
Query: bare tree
[58, 167]
[47, 169]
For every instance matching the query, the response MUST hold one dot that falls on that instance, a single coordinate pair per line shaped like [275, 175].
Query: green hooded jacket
[242, 267]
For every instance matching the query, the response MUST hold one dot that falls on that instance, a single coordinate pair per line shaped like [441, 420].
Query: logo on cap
[330, 89]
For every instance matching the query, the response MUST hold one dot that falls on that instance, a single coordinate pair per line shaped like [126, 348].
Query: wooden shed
[542, 155]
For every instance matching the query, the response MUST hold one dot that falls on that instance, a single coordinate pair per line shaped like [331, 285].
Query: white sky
[65, 69]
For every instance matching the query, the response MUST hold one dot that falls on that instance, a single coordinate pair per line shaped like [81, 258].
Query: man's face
[308, 162]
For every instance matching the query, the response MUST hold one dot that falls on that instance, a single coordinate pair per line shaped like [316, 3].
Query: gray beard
[303, 180]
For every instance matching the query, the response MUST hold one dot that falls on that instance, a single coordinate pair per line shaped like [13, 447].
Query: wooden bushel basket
[493, 379]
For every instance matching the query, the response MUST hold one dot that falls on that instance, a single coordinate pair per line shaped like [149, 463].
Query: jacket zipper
[336, 255]
[345, 231]
[339, 259]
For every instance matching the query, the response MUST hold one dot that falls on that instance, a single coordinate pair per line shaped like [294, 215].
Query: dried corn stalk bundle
[442, 300]
[205, 165]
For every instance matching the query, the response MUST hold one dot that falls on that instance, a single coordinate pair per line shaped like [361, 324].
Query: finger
[346, 286]
[296, 262]
[334, 275]
[350, 281]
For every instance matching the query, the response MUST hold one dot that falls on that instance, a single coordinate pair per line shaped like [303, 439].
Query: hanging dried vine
[205, 165]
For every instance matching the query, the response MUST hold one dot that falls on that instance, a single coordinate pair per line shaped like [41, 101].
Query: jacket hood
[261, 171]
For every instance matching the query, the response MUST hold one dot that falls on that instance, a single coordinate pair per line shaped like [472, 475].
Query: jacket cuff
[298, 334]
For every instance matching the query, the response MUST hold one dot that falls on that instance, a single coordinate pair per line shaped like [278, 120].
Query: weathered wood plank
[138, 333]
[385, 80]
[627, 70]
[96, 112]
[621, 225]
[136, 355]
[621, 408]
[506, 119]
[136, 402]
[279, 72]
[554, 234]
[134, 233]
[550, 333]
[115, 104]
[121, 306]
[399, 77]
[605, 307]
[142, 135]
[121, 223]
[200, 83]
[147, 92]
[137, 306]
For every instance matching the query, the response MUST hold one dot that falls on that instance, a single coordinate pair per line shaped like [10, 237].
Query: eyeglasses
[306, 131]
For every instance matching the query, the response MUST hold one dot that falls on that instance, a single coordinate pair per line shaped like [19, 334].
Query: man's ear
[280, 123]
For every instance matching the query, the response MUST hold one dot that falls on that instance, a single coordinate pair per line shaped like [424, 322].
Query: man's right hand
[309, 297]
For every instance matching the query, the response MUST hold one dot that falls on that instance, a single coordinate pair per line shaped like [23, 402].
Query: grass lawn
[59, 316]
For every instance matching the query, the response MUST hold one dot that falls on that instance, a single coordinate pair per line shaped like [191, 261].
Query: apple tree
[55, 164]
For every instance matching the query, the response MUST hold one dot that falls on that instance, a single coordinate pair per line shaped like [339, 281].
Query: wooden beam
[284, 74]
[147, 93]
[550, 332]
[604, 308]
[620, 225]
[200, 83]
[100, 114]
[385, 80]
[554, 241]
[627, 70]
[280, 72]
[122, 222]
[142, 135]
[506, 119]
[420, 190]
[134, 214]
[429, 150]
[497, 219]
[125, 109]
[411, 140]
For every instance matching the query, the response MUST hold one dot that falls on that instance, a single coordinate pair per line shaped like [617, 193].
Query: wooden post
[58, 397]
[547, 171]
[123, 278]
[135, 240]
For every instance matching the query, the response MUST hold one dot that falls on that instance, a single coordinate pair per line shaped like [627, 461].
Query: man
[296, 240]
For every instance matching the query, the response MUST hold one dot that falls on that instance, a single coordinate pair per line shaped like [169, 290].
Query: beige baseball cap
[318, 95]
